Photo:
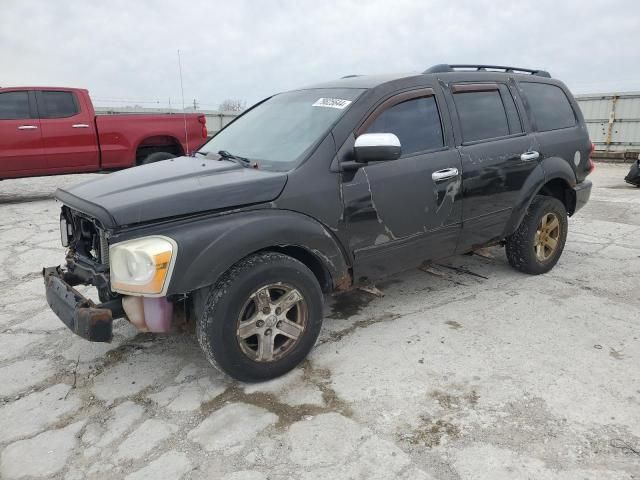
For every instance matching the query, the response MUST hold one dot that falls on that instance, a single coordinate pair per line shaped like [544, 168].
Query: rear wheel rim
[547, 237]
[271, 322]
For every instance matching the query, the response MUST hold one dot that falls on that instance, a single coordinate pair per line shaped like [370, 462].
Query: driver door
[399, 213]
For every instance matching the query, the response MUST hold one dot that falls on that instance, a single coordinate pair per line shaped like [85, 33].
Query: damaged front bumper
[82, 316]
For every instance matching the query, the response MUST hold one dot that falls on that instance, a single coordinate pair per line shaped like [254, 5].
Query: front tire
[262, 318]
[537, 244]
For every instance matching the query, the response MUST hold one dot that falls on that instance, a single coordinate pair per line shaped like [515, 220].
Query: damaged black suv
[316, 190]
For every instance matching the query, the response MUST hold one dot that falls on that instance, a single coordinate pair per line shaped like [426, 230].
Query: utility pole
[195, 104]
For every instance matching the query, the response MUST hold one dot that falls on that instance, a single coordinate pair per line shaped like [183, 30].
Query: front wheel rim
[271, 322]
[547, 237]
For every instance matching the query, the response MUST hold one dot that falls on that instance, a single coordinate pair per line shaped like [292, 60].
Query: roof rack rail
[350, 76]
[443, 68]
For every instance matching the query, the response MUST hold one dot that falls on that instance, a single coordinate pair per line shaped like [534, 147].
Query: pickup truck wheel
[537, 244]
[156, 157]
[262, 317]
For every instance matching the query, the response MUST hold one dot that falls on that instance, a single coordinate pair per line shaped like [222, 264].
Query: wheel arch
[158, 143]
[552, 177]
[207, 249]
[561, 189]
[311, 260]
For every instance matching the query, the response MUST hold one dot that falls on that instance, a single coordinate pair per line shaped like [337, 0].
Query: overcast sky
[126, 51]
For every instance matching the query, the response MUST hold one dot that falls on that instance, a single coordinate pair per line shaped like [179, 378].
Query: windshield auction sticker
[332, 103]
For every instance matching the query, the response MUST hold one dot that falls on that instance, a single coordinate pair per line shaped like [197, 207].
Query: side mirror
[376, 147]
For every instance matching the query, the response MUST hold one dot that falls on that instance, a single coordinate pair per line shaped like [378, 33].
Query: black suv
[315, 191]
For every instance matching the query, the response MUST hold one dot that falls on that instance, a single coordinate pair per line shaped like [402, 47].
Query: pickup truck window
[482, 115]
[278, 133]
[14, 105]
[549, 105]
[52, 104]
[415, 122]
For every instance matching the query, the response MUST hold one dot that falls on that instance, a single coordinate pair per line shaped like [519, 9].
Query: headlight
[142, 266]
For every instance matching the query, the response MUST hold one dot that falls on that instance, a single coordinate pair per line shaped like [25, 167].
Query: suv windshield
[278, 133]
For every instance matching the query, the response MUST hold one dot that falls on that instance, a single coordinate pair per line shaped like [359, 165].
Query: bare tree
[233, 105]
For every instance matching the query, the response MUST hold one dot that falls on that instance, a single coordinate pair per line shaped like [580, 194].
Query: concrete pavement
[448, 375]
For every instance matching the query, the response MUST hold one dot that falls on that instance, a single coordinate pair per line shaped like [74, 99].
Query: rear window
[550, 106]
[14, 105]
[57, 105]
[482, 115]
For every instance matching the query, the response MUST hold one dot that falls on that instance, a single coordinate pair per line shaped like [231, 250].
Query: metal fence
[613, 121]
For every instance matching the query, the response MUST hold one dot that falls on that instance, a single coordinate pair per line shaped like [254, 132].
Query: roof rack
[350, 76]
[443, 68]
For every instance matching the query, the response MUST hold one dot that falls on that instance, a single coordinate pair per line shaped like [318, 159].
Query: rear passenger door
[68, 133]
[497, 157]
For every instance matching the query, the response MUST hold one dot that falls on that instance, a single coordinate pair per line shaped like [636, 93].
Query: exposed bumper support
[82, 316]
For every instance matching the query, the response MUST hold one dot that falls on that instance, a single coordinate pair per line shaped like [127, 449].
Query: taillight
[203, 121]
[591, 166]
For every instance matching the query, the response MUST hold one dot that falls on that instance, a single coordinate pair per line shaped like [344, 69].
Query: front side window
[14, 105]
[482, 115]
[550, 107]
[281, 131]
[57, 105]
[415, 122]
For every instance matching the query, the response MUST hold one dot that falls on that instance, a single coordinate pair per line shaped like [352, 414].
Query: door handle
[80, 125]
[529, 156]
[27, 127]
[446, 174]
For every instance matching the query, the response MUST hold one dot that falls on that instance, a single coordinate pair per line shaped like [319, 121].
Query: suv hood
[170, 188]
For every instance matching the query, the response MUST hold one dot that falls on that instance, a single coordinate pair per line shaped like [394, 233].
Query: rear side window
[482, 115]
[57, 105]
[550, 107]
[415, 122]
[14, 105]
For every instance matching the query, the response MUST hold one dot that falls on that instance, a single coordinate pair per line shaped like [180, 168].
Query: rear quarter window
[549, 105]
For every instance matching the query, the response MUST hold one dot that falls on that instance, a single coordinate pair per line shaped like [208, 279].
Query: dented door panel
[493, 174]
[397, 216]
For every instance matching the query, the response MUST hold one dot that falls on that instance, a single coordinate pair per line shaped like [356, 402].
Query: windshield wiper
[245, 162]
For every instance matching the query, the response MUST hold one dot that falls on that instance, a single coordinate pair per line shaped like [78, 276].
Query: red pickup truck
[50, 131]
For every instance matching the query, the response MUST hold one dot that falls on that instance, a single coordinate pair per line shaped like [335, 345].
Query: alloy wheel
[271, 322]
[547, 236]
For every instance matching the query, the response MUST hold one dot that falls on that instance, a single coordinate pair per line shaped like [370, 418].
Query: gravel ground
[449, 375]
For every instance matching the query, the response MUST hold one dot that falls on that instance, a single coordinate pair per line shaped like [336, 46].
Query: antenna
[184, 114]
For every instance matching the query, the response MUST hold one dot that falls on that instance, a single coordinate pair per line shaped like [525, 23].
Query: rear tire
[249, 334]
[156, 157]
[537, 244]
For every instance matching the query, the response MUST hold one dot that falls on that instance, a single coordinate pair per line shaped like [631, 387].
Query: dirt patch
[430, 433]
[617, 354]
[287, 414]
[337, 336]
[350, 303]
[455, 402]
[453, 325]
